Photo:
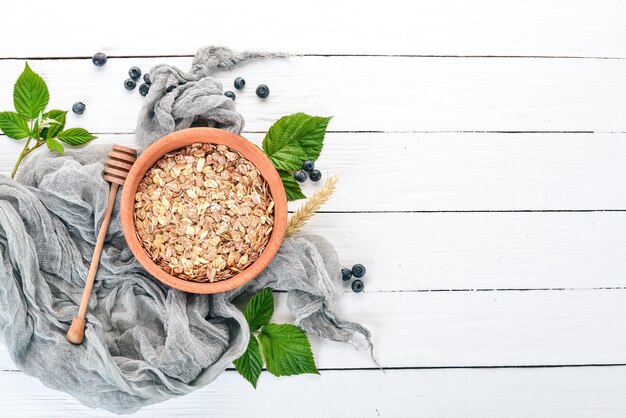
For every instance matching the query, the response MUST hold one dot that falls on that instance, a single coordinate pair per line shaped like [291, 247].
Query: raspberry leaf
[259, 309]
[286, 350]
[250, 364]
[292, 188]
[75, 136]
[294, 139]
[54, 145]
[14, 125]
[30, 94]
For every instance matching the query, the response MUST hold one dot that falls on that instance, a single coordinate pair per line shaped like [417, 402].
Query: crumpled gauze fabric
[144, 342]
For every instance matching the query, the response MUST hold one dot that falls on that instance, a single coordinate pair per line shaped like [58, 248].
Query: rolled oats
[203, 213]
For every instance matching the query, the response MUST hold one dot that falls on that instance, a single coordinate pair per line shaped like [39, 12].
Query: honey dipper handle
[76, 332]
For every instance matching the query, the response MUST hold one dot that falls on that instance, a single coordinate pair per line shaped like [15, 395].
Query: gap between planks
[581, 57]
[384, 369]
[244, 132]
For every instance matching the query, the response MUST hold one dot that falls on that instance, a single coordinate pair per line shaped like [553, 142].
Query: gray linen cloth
[144, 342]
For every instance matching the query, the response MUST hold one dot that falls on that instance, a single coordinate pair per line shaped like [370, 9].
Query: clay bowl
[176, 141]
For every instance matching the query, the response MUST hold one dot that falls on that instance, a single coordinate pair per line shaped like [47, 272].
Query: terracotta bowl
[176, 141]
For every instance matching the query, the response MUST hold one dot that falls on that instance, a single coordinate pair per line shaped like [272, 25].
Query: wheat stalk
[306, 212]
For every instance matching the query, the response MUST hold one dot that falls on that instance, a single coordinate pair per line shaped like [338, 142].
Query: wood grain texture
[370, 93]
[460, 329]
[467, 393]
[439, 27]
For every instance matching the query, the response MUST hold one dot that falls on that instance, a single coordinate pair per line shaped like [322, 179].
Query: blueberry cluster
[99, 59]
[358, 271]
[308, 171]
[130, 83]
[262, 90]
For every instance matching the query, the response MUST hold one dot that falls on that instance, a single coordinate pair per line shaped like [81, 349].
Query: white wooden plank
[479, 393]
[454, 27]
[426, 172]
[371, 93]
[409, 252]
[443, 329]
[458, 251]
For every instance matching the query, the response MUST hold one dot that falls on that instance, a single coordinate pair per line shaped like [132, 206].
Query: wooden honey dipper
[116, 167]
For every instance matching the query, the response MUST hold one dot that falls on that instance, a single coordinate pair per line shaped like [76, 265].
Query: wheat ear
[306, 212]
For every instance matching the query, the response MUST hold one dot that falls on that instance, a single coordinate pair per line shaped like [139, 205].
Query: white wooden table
[481, 148]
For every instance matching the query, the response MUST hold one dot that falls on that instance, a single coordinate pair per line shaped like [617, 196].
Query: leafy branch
[30, 98]
[285, 347]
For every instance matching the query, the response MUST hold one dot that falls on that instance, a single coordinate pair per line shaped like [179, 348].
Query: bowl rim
[175, 141]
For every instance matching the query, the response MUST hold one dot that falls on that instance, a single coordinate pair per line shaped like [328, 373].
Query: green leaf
[286, 350]
[54, 128]
[13, 125]
[292, 188]
[30, 94]
[259, 309]
[54, 145]
[294, 139]
[250, 364]
[75, 136]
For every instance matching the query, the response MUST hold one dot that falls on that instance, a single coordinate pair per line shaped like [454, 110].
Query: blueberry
[308, 165]
[146, 79]
[230, 95]
[144, 89]
[170, 88]
[346, 274]
[134, 73]
[315, 175]
[99, 59]
[129, 84]
[239, 83]
[262, 91]
[357, 286]
[78, 108]
[300, 176]
[358, 270]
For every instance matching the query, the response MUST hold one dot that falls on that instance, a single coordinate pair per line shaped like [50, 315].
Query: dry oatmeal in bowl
[204, 213]
[203, 210]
